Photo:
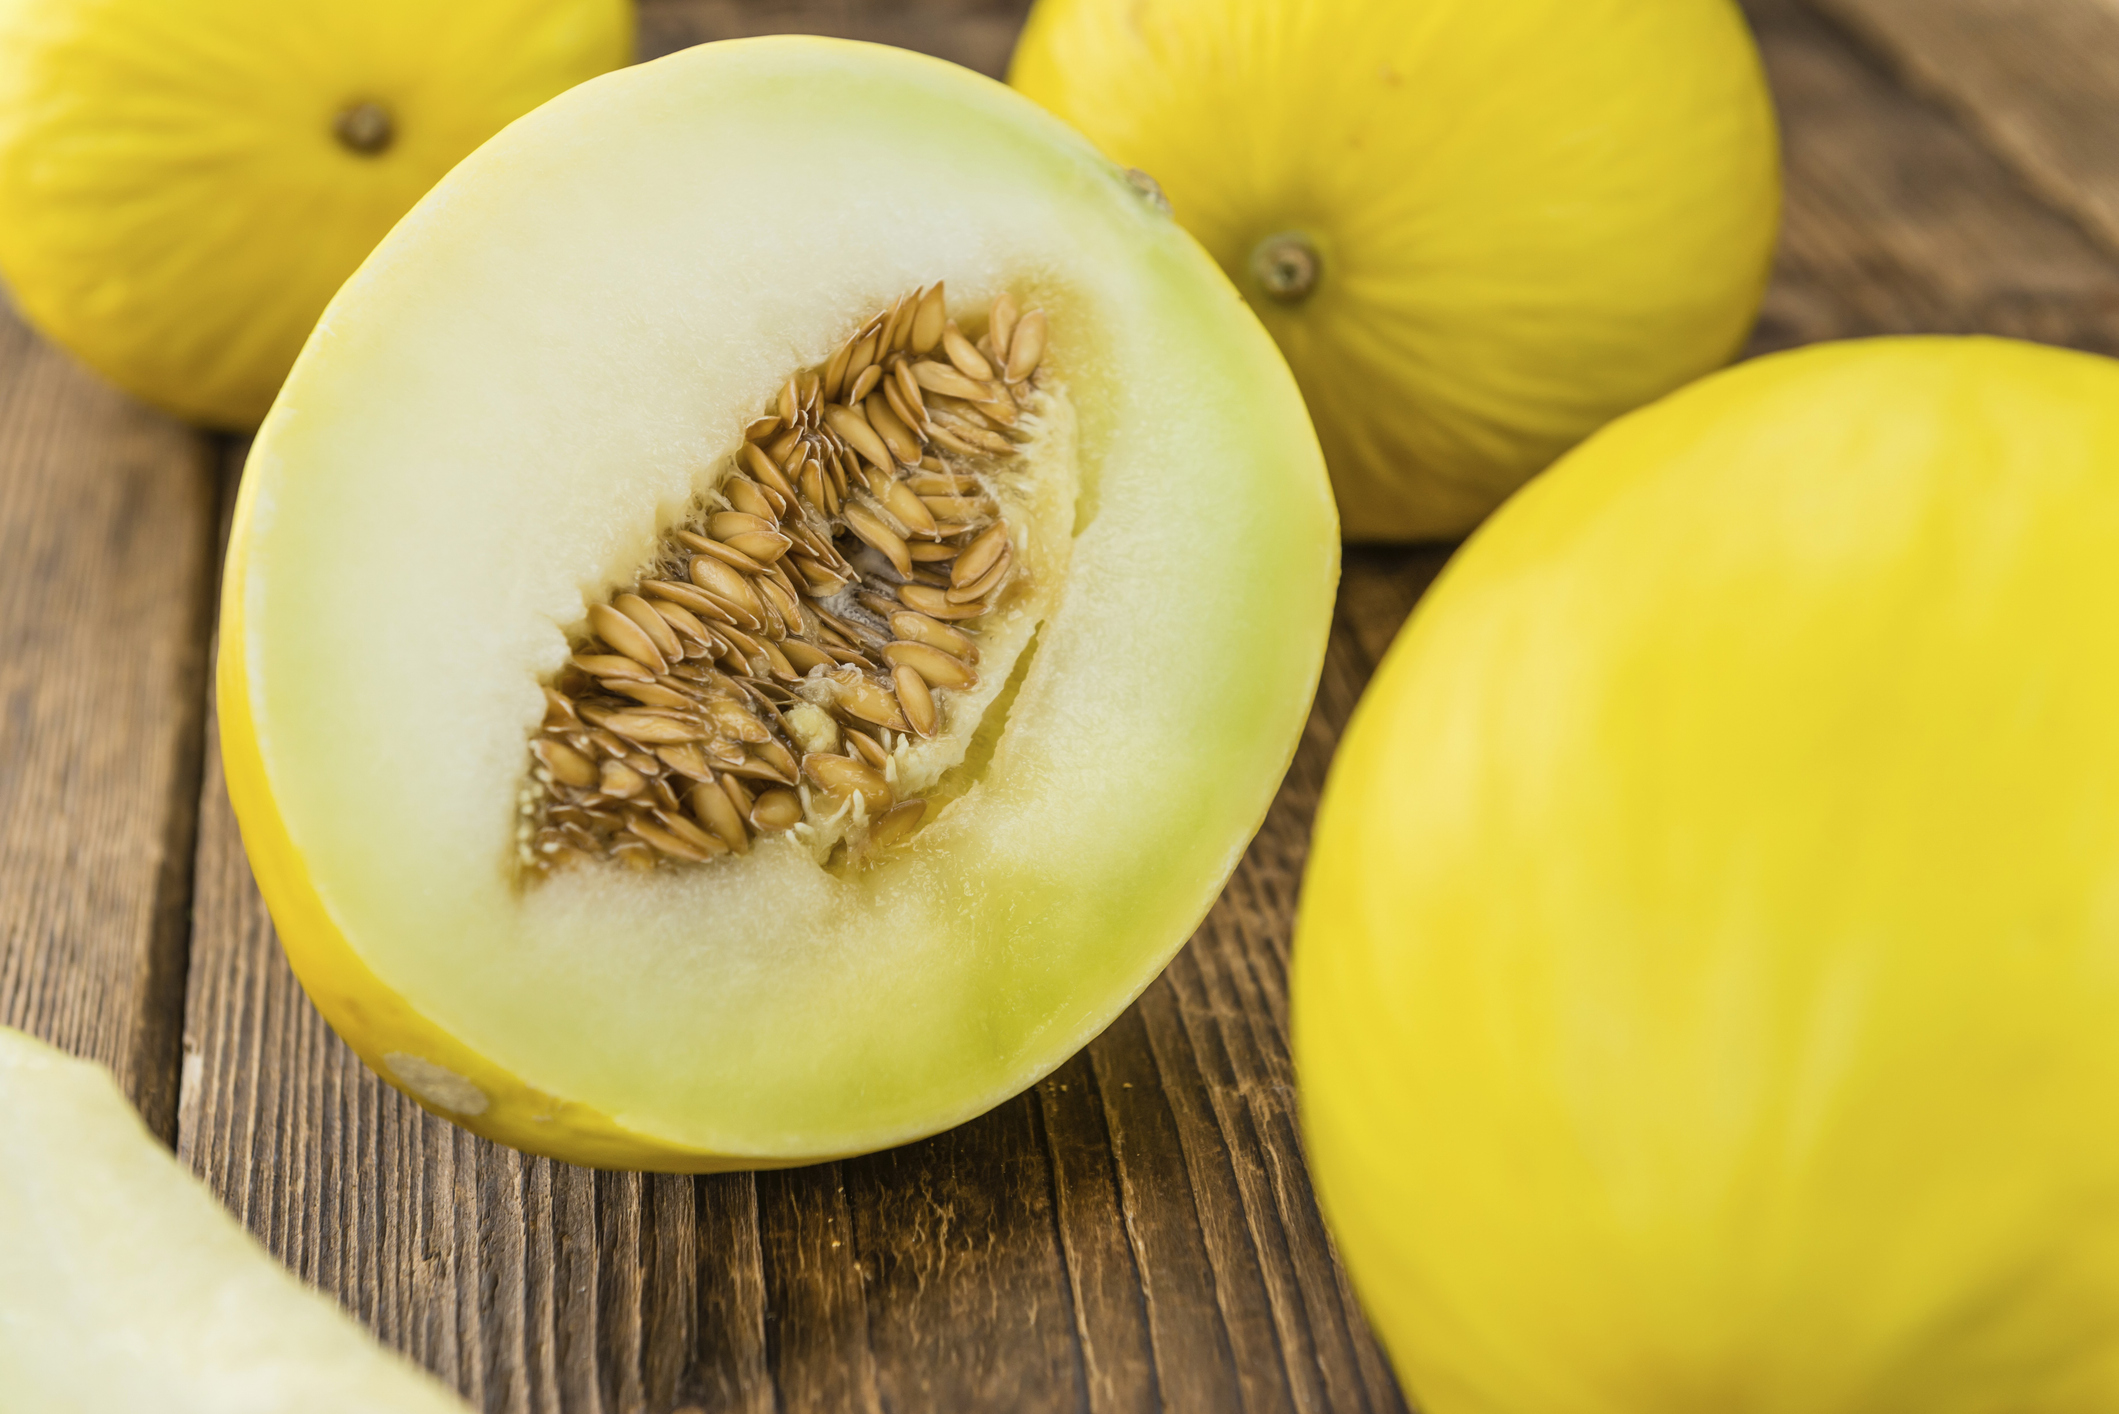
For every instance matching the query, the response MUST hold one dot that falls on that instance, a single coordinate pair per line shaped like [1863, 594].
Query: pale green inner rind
[527, 383]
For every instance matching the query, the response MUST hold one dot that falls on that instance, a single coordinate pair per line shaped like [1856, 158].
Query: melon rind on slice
[125, 1287]
[531, 380]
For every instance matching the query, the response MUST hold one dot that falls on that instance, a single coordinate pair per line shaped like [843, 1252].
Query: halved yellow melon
[606, 365]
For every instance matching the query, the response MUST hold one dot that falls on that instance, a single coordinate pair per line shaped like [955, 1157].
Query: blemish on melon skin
[439, 1086]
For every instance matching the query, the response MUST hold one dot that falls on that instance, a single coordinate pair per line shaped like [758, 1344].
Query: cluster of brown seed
[851, 545]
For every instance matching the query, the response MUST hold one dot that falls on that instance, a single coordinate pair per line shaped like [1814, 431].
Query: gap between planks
[107, 510]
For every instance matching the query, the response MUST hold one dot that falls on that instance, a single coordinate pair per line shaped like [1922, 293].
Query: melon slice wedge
[125, 1287]
[546, 372]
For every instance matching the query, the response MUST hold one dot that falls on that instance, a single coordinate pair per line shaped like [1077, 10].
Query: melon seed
[680, 688]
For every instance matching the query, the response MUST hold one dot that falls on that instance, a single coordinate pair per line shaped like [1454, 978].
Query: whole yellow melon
[185, 183]
[1706, 988]
[1479, 229]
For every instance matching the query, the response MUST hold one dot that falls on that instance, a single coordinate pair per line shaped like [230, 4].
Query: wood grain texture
[1899, 222]
[979, 34]
[107, 514]
[2037, 80]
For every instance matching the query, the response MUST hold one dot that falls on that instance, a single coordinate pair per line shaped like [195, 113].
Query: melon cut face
[124, 1286]
[506, 424]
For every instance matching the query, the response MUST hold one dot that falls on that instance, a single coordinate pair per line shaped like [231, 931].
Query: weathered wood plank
[107, 519]
[956, 1236]
[1104, 1277]
[1216, 1025]
[1195, 1358]
[726, 1365]
[979, 34]
[816, 1323]
[2037, 80]
[1898, 222]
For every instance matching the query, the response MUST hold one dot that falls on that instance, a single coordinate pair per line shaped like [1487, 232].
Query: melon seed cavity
[850, 553]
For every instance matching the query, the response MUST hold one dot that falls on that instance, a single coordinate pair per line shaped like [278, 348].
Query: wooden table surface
[1135, 1233]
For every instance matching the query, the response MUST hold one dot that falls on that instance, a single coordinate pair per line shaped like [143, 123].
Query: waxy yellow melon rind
[1703, 990]
[1163, 702]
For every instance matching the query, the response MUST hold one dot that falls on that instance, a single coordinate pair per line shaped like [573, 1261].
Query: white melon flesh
[125, 1287]
[528, 384]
